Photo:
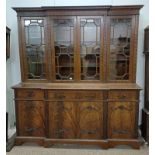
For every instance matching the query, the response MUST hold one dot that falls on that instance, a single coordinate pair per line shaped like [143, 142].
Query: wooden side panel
[31, 118]
[121, 119]
[90, 120]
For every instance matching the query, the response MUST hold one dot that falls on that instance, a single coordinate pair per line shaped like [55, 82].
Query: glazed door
[63, 50]
[120, 54]
[90, 44]
[31, 118]
[34, 55]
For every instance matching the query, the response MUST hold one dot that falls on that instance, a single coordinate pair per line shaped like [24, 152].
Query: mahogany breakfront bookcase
[78, 69]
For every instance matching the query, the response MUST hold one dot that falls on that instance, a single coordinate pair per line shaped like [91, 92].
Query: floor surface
[31, 149]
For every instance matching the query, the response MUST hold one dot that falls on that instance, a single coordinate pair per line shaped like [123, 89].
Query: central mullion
[77, 52]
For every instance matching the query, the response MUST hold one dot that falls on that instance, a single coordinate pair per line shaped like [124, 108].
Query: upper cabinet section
[78, 44]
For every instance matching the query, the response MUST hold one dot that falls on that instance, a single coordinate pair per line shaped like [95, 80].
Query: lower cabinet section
[80, 120]
[105, 118]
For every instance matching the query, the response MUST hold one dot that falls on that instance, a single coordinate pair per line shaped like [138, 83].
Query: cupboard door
[64, 46]
[35, 55]
[81, 120]
[90, 120]
[90, 47]
[62, 122]
[120, 49]
[31, 118]
[121, 119]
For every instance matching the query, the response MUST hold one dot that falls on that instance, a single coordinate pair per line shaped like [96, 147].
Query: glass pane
[119, 49]
[90, 49]
[64, 50]
[35, 48]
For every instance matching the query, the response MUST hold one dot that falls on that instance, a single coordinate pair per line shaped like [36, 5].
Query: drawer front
[30, 94]
[75, 95]
[89, 95]
[123, 95]
[30, 118]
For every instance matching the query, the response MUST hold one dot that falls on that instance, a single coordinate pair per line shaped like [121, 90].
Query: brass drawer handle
[29, 105]
[88, 131]
[31, 129]
[122, 97]
[30, 93]
[60, 131]
[91, 132]
[120, 131]
[91, 108]
[88, 97]
[57, 96]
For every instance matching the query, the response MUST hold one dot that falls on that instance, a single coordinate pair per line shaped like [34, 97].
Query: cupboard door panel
[35, 53]
[90, 47]
[31, 118]
[62, 123]
[81, 120]
[90, 120]
[121, 119]
[64, 38]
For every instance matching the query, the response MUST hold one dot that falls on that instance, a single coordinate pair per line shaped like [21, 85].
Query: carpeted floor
[75, 150]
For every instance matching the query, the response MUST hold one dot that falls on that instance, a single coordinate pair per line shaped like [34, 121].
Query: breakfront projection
[78, 71]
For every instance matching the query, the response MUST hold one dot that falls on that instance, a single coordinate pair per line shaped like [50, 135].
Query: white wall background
[13, 65]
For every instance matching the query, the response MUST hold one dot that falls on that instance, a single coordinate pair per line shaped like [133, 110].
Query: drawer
[89, 95]
[60, 95]
[75, 95]
[123, 95]
[29, 94]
